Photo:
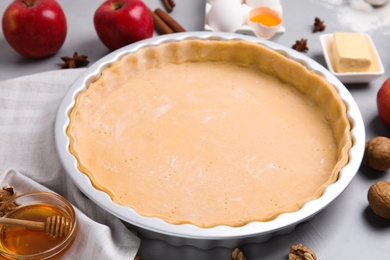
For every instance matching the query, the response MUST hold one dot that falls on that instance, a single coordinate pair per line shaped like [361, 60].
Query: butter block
[351, 52]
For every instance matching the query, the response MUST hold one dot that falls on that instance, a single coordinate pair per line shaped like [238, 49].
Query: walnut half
[5, 194]
[238, 255]
[301, 252]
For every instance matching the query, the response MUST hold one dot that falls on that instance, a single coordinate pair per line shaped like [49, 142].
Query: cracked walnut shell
[379, 198]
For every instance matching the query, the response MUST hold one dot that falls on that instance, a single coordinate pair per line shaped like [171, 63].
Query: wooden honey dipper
[55, 226]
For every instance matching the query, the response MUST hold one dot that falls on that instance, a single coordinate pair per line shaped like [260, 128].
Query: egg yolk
[266, 19]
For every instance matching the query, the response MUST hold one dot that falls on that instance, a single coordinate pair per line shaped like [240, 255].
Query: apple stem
[117, 6]
[27, 3]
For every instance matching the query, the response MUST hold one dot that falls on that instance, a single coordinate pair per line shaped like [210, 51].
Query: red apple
[121, 22]
[34, 28]
[383, 102]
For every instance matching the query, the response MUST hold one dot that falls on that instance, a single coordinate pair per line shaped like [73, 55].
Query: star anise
[300, 45]
[76, 61]
[319, 25]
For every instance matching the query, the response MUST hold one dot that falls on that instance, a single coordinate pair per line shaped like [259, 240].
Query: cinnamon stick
[167, 5]
[160, 26]
[172, 23]
[172, 3]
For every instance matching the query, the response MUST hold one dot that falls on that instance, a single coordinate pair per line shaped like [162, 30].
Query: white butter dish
[352, 77]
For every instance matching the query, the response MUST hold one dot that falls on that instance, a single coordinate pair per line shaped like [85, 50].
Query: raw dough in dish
[210, 132]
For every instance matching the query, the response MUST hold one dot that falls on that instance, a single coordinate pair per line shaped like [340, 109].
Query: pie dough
[210, 132]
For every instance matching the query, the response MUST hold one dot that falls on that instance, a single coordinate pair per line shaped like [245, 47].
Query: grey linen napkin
[29, 162]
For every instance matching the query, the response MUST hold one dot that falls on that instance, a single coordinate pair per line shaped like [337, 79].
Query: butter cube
[351, 52]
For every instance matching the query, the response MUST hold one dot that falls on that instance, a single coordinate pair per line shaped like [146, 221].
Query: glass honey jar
[17, 242]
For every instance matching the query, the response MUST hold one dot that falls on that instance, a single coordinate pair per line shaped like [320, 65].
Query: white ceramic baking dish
[186, 234]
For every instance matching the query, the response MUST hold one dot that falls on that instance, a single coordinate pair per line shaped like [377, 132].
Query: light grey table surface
[347, 228]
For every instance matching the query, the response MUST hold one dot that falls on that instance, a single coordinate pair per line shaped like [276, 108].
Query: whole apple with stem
[34, 28]
[121, 22]
[383, 102]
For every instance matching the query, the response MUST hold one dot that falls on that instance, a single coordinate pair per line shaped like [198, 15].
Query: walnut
[301, 252]
[238, 255]
[377, 153]
[5, 194]
[10, 189]
[379, 198]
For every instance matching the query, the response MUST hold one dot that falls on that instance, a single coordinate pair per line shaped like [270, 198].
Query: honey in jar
[22, 243]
